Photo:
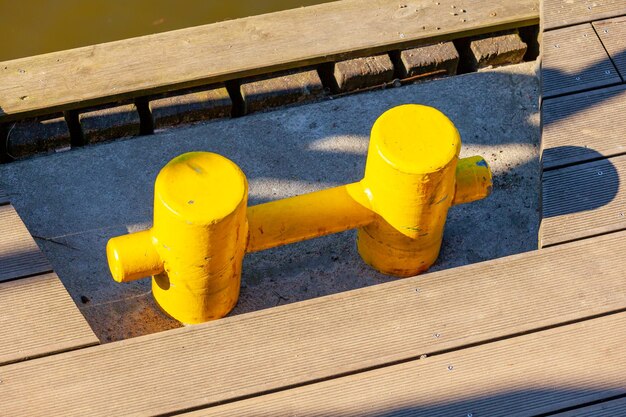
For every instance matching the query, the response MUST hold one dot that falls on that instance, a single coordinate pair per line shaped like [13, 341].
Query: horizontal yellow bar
[133, 256]
[473, 180]
[306, 216]
[346, 207]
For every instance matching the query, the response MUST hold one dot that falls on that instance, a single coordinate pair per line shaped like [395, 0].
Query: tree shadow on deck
[580, 188]
[559, 402]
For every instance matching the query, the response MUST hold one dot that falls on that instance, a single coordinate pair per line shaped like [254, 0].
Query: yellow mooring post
[203, 227]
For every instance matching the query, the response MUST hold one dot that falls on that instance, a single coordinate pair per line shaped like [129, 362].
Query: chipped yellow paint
[410, 176]
[202, 227]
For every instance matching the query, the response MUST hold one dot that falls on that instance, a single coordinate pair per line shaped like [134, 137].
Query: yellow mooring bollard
[203, 227]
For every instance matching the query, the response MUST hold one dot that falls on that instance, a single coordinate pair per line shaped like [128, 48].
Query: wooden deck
[584, 126]
[208, 54]
[38, 316]
[534, 334]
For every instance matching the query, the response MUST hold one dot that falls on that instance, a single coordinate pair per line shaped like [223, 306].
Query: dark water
[32, 27]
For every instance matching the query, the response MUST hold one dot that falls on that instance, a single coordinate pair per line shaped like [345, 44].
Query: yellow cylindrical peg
[410, 173]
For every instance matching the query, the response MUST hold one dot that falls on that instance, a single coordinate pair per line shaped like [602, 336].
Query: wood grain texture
[19, 254]
[612, 33]
[584, 126]
[39, 318]
[613, 408]
[583, 200]
[325, 337]
[573, 59]
[524, 376]
[558, 13]
[241, 48]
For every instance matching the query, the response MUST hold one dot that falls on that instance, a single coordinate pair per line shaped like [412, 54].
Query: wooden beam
[559, 13]
[240, 48]
[612, 33]
[327, 337]
[612, 408]
[19, 254]
[583, 127]
[583, 200]
[525, 376]
[37, 318]
[573, 59]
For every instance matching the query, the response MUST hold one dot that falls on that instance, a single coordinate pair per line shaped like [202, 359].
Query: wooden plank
[19, 254]
[612, 33]
[39, 318]
[583, 200]
[523, 376]
[613, 408]
[325, 337]
[583, 127]
[573, 59]
[240, 48]
[559, 13]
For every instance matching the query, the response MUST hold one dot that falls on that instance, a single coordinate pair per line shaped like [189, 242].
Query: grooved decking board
[325, 337]
[573, 59]
[522, 376]
[240, 48]
[558, 13]
[612, 33]
[613, 408]
[39, 318]
[19, 254]
[584, 126]
[583, 200]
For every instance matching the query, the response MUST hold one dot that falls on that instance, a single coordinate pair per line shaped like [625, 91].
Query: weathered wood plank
[613, 408]
[523, 376]
[584, 126]
[583, 200]
[325, 337]
[558, 13]
[573, 59]
[39, 318]
[19, 254]
[612, 33]
[239, 48]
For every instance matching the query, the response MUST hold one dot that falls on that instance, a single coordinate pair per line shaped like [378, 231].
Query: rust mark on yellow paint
[203, 227]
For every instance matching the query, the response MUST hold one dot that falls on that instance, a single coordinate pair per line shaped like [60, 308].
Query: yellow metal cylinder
[307, 216]
[473, 180]
[200, 232]
[133, 256]
[410, 175]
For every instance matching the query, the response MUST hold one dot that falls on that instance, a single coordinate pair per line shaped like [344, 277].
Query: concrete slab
[77, 200]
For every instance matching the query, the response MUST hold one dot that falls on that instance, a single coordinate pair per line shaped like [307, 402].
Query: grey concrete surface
[75, 201]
